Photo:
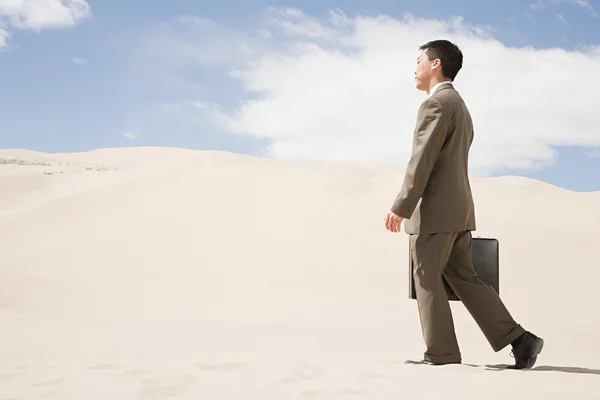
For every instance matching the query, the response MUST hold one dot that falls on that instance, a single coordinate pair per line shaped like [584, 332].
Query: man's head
[439, 61]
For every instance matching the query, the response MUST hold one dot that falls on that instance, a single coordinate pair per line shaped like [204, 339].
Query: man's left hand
[393, 222]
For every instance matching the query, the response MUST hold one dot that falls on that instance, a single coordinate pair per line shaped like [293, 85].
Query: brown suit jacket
[436, 193]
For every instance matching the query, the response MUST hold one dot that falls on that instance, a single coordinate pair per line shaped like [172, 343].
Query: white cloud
[580, 3]
[78, 60]
[343, 88]
[593, 153]
[131, 136]
[4, 35]
[563, 20]
[538, 5]
[38, 15]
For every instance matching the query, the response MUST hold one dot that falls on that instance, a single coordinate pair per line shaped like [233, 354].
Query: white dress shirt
[433, 89]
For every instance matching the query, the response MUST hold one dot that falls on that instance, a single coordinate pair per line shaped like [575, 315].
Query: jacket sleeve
[430, 134]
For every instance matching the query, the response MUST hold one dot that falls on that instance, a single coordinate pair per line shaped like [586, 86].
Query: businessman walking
[437, 204]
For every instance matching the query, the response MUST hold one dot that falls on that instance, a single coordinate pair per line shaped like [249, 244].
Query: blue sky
[159, 73]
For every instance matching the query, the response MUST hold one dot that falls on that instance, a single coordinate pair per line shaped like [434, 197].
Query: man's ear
[436, 63]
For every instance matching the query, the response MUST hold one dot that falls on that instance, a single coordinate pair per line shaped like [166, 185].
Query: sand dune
[159, 273]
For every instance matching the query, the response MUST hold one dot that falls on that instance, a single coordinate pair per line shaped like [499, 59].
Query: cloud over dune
[38, 15]
[342, 87]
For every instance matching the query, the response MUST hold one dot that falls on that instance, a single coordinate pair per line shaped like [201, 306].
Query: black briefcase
[486, 260]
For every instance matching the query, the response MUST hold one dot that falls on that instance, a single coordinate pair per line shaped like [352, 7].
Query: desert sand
[161, 273]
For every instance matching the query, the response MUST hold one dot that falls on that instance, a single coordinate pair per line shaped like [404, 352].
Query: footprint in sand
[160, 392]
[300, 374]
[311, 394]
[183, 379]
[352, 392]
[106, 366]
[225, 367]
[135, 373]
[165, 387]
[54, 382]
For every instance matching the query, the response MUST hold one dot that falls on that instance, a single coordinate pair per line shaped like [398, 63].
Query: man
[437, 204]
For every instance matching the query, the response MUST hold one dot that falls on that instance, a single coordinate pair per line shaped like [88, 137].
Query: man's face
[423, 71]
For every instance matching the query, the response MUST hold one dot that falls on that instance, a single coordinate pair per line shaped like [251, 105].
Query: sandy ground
[158, 273]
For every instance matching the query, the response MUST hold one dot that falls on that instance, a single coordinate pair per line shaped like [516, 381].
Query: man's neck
[435, 83]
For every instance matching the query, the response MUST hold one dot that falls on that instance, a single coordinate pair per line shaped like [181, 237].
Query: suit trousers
[450, 255]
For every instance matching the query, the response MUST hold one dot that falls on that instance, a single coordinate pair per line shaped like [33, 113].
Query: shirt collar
[433, 89]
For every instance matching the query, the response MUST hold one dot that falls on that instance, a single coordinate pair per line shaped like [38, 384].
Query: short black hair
[448, 53]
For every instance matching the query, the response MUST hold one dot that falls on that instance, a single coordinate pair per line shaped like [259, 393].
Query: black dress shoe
[526, 349]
